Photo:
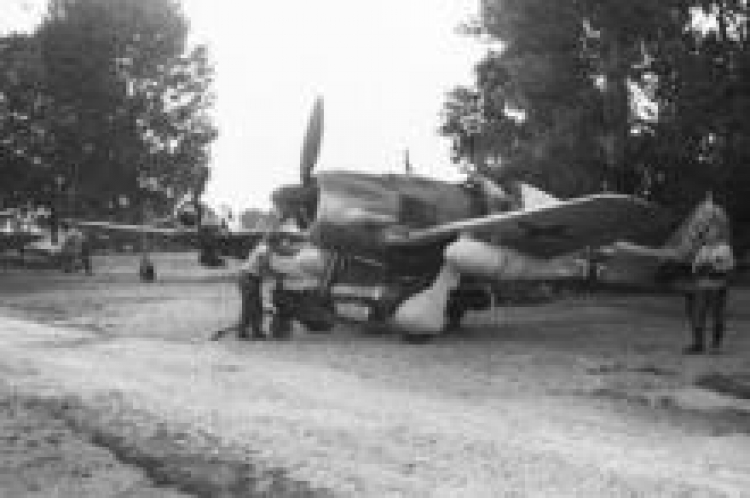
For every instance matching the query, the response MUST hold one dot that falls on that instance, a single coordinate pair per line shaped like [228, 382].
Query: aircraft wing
[554, 229]
[124, 228]
[231, 243]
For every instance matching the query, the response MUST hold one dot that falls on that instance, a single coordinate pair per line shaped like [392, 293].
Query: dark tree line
[650, 97]
[105, 108]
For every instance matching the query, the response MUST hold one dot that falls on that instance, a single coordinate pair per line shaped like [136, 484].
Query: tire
[454, 313]
[280, 328]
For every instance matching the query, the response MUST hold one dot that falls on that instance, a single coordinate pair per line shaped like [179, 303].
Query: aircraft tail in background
[686, 240]
[636, 264]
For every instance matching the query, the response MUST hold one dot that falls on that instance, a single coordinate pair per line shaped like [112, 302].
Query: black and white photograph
[384, 248]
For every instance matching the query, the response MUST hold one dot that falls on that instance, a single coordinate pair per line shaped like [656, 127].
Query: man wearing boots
[255, 267]
[711, 266]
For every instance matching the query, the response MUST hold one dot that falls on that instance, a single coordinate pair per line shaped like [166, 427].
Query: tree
[648, 97]
[25, 145]
[570, 70]
[704, 100]
[534, 97]
[132, 102]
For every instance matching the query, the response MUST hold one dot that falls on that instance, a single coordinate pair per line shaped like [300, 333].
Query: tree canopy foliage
[107, 105]
[24, 143]
[649, 97]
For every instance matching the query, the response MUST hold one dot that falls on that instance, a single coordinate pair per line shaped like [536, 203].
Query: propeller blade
[311, 145]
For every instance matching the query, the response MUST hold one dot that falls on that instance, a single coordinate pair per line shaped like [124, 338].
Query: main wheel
[454, 313]
[280, 327]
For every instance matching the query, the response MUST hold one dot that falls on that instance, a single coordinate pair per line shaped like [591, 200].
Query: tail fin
[688, 237]
[666, 262]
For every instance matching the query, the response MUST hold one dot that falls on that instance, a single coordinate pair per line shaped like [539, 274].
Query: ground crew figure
[72, 248]
[146, 268]
[255, 267]
[700, 255]
[712, 262]
[63, 256]
[86, 254]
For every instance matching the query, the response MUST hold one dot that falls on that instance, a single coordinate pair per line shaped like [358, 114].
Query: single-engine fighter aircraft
[409, 251]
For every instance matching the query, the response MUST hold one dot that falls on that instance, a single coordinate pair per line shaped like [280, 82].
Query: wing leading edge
[124, 228]
[231, 243]
[553, 229]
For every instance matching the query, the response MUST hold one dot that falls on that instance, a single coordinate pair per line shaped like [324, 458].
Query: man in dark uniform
[255, 267]
[699, 258]
[712, 262]
[71, 248]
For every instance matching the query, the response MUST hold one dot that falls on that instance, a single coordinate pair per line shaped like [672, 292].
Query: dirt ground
[109, 387]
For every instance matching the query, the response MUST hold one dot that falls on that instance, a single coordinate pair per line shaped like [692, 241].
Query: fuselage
[355, 217]
[358, 214]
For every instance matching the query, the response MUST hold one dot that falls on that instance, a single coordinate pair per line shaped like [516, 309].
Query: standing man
[712, 262]
[71, 249]
[701, 255]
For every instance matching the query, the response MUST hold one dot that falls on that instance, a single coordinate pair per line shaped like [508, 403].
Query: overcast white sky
[382, 67]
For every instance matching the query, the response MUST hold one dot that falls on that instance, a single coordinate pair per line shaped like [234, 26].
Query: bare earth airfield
[109, 387]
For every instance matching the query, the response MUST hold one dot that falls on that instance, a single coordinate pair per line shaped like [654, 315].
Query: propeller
[311, 145]
[298, 201]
